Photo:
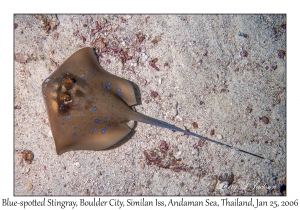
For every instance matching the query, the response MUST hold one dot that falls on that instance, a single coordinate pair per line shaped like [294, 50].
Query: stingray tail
[152, 121]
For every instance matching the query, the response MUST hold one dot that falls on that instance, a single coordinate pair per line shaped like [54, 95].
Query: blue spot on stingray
[118, 89]
[95, 129]
[108, 125]
[62, 123]
[120, 94]
[69, 117]
[75, 134]
[108, 83]
[104, 122]
[97, 120]
[92, 73]
[94, 108]
[84, 77]
[103, 131]
[61, 106]
[106, 117]
[105, 87]
[75, 127]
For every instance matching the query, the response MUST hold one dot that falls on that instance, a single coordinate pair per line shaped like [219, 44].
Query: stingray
[91, 109]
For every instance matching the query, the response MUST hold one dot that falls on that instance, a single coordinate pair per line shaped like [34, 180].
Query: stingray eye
[68, 82]
[66, 98]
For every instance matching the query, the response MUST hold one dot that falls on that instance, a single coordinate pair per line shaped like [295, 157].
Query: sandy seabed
[220, 76]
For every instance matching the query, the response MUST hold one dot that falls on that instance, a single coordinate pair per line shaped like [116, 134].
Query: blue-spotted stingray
[90, 109]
